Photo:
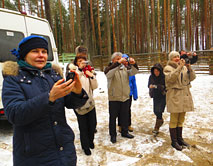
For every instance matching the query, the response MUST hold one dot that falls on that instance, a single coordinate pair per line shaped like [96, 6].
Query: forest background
[128, 26]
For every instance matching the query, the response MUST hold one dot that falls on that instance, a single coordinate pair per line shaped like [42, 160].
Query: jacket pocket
[34, 143]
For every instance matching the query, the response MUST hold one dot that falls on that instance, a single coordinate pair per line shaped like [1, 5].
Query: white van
[14, 26]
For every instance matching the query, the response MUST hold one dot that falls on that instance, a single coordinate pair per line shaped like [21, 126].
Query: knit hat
[173, 54]
[29, 43]
[116, 54]
[125, 56]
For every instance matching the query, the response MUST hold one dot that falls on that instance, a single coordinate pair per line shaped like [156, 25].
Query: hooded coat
[159, 91]
[178, 96]
[42, 136]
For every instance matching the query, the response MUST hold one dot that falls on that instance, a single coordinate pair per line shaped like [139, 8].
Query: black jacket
[159, 81]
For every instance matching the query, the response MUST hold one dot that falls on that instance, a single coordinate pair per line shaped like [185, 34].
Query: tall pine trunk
[165, 29]
[38, 13]
[113, 26]
[128, 25]
[188, 24]
[62, 27]
[72, 27]
[153, 26]
[147, 25]
[117, 24]
[19, 6]
[108, 30]
[168, 15]
[159, 32]
[78, 21]
[99, 29]
[93, 28]
[48, 12]
[42, 9]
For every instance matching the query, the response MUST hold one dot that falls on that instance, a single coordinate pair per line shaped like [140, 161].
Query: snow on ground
[144, 149]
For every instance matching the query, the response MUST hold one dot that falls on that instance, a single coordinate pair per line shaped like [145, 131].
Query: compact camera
[186, 58]
[190, 58]
[127, 59]
[70, 75]
[86, 62]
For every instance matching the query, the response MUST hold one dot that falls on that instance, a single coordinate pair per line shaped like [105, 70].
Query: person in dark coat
[157, 88]
[34, 98]
[190, 57]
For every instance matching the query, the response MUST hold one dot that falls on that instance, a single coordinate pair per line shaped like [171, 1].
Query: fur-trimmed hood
[11, 68]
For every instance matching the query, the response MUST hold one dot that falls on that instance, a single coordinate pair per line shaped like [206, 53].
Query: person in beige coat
[178, 77]
[86, 117]
[118, 93]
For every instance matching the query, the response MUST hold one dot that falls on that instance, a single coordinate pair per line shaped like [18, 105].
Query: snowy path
[144, 149]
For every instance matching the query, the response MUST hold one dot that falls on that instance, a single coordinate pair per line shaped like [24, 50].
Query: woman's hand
[181, 63]
[131, 61]
[90, 74]
[77, 87]
[122, 61]
[61, 88]
[82, 65]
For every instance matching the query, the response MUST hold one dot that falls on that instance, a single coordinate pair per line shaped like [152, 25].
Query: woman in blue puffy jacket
[34, 98]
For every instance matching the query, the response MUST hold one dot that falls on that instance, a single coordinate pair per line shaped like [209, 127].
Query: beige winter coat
[88, 84]
[178, 96]
[118, 81]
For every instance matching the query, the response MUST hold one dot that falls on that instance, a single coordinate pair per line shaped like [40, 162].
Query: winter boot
[130, 129]
[180, 138]
[158, 124]
[119, 129]
[173, 135]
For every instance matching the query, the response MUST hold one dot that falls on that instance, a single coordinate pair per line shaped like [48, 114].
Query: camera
[86, 62]
[127, 59]
[70, 75]
[189, 57]
[186, 58]
[154, 86]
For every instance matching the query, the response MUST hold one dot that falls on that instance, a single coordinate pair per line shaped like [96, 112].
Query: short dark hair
[77, 58]
[81, 50]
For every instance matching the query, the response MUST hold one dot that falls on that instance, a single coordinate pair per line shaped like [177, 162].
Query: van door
[12, 30]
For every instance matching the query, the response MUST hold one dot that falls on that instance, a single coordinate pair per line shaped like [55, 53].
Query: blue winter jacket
[133, 87]
[132, 83]
[42, 136]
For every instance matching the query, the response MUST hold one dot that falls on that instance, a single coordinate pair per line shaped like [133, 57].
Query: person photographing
[34, 97]
[86, 114]
[178, 77]
[118, 93]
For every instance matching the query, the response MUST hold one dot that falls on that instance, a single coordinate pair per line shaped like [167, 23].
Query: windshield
[8, 41]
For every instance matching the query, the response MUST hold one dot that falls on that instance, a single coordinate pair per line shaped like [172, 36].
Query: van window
[50, 51]
[8, 41]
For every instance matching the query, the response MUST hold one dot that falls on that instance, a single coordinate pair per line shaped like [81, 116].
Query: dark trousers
[159, 106]
[129, 121]
[87, 125]
[121, 110]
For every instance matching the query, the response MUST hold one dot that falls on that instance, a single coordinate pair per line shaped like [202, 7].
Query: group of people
[35, 95]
